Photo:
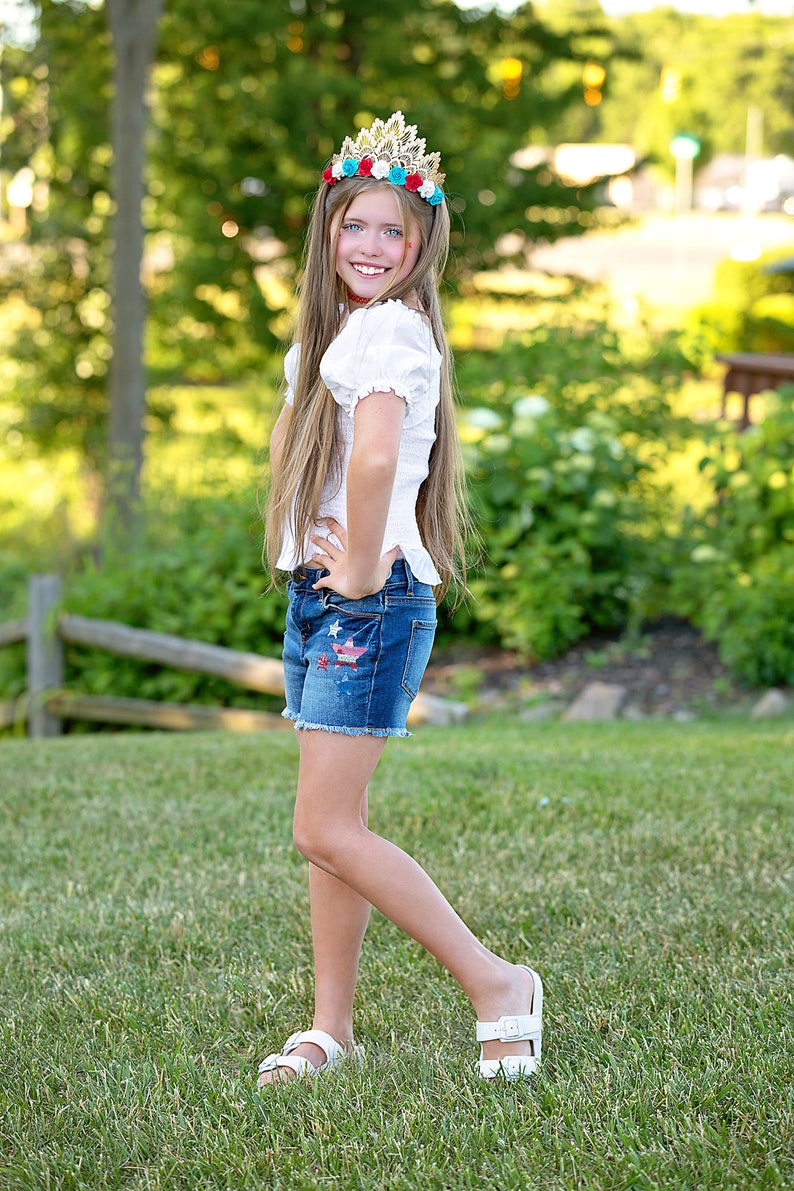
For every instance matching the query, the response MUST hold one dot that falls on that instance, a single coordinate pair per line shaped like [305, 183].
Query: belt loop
[409, 577]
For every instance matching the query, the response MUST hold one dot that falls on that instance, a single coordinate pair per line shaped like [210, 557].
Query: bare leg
[330, 831]
[339, 921]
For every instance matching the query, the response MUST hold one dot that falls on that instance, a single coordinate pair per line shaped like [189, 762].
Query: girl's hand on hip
[341, 577]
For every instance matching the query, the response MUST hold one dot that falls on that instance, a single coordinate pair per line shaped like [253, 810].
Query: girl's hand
[333, 558]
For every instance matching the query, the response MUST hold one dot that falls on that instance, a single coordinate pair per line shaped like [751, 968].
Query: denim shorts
[354, 666]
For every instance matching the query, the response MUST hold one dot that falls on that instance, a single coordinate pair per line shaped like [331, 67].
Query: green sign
[685, 145]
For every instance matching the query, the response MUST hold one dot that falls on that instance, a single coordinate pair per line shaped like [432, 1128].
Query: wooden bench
[749, 373]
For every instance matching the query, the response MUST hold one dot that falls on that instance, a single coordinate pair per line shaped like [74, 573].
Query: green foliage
[563, 480]
[724, 63]
[752, 309]
[560, 511]
[197, 573]
[248, 102]
[737, 580]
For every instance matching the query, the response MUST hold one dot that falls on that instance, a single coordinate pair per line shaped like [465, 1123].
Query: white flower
[533, 406]
[381, 169]
[582, 439]
[482, 418]
[336, 169]
[426, 190]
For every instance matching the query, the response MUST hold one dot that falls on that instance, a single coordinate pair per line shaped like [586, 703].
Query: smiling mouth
[368, 270]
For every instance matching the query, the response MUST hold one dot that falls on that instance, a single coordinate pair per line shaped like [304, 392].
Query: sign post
[685, 148]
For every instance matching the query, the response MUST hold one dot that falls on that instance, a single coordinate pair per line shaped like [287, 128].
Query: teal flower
[436, 197]
[397, 175]
[350, 167]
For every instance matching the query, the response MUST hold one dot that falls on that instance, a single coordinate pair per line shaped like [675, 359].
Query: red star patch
[348, 654]
[322, 662]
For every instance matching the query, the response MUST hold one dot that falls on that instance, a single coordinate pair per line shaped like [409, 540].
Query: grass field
[155, 944]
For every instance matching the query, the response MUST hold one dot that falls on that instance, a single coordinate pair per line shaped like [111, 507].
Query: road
[667, 260]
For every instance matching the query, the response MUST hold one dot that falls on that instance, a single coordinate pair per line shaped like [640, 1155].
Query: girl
[364, 510]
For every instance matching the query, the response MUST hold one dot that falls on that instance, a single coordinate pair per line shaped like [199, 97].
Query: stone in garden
[598, 701]
[540, 711]
[772, 703]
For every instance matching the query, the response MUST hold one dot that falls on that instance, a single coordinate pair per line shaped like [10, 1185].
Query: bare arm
[277, 437]
[358, 568]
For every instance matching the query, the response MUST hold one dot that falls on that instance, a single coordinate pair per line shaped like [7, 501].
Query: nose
[371, 244]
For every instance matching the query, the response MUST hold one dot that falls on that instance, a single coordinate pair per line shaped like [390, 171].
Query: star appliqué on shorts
[334, 629]
[322, 662]
[348, 654]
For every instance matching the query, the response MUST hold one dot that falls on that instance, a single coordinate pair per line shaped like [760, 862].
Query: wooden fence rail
[46, 704]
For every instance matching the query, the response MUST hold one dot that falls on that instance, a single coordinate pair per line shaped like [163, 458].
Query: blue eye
[351, 227]
[394, 231]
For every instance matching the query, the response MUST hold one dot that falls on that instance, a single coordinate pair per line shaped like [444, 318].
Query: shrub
[752, 310]
[737, 582]
[562, 514]
[196, 573]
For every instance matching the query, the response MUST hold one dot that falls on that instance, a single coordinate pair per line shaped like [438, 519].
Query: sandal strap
[296, 1063]
[522, 1027]
[334, 1053]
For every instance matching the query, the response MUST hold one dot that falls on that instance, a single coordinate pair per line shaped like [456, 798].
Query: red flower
[328, 176]
[365, 167]
[413, 181]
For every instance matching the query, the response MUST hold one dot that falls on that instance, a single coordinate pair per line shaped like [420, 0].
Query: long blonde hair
[311, 451]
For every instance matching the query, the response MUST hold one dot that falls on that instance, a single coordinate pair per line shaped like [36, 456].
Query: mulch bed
[669, 671]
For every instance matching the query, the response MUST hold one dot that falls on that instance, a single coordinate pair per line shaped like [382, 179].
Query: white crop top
[380, 348]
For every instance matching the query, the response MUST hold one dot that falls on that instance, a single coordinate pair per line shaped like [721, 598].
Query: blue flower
[350, 167]
[397, 175]
[436, 197]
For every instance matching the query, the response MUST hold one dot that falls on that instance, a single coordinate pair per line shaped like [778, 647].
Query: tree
[133, 25]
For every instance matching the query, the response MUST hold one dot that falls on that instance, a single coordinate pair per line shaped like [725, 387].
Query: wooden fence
[46, 704]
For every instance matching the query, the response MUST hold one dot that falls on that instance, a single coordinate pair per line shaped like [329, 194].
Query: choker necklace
[354, 298]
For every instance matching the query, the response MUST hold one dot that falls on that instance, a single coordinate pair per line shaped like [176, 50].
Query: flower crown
[390, 150]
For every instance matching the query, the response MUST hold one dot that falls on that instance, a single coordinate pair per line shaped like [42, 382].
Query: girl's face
[372, 243]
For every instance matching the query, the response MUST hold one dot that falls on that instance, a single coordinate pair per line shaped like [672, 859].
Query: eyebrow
[358, 219]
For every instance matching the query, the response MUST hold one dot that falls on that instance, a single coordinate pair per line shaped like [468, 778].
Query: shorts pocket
[367, 608]
[419, 646]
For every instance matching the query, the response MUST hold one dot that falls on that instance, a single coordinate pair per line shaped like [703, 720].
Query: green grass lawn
[155, 945]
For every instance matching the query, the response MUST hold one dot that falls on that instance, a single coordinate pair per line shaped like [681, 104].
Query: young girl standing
[364, 511]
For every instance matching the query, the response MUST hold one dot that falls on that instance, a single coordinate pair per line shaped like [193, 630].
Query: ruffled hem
[305, 726]
[378, 386]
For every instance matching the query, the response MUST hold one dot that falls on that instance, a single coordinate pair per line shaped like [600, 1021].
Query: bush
[562, 480]
[197, 573]
[562, 514]
[752, 310]
[737, 582]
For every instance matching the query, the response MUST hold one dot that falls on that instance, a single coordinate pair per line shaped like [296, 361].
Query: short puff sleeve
[383, 348]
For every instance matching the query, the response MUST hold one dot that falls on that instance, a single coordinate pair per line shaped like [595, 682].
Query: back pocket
[419, 647]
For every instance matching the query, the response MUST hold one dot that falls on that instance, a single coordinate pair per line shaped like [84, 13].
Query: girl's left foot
[511, 1043]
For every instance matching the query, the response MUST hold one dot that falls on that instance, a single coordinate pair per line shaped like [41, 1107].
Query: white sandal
[335, 1055]
[524, 1027]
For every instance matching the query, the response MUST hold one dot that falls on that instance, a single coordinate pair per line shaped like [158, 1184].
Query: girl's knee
[322, 843]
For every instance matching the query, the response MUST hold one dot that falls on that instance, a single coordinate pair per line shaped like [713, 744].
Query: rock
[772, 703]
[682, 715]
[432, 709]
[540, 711]
[598, 701]
[632, 712]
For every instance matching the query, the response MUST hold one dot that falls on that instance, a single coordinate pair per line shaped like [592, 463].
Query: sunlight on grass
[155, 943]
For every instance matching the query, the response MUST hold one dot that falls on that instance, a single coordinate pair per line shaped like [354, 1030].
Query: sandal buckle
[510, 1028]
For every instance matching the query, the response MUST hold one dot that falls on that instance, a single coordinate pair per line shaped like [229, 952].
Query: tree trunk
[133, 26]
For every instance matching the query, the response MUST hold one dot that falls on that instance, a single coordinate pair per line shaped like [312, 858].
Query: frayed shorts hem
[305, 726]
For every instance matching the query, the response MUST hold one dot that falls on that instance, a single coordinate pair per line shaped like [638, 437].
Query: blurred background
[621, 178]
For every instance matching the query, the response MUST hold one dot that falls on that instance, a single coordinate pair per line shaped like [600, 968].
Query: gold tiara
[391, 151]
